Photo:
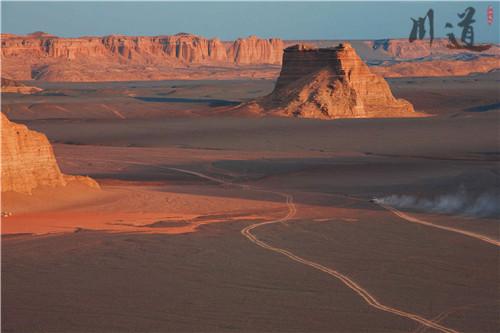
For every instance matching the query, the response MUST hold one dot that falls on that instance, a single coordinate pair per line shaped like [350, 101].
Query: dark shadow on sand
[209, 102]
[163, 224]
[328, 181]
[484, 108]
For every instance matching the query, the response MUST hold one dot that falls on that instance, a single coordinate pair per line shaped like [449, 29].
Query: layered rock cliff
[28, 161]
[46, 57]
[192, 49]
[329, 83]
[180, 48]
[253, 50]
[40, 56]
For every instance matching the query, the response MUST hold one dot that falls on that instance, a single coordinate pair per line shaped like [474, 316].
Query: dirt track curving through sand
[429, 224]
[292, 210]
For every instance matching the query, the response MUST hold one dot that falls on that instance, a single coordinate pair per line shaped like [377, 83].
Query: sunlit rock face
[50, 58]
[185, 47]
[253, 50]
[330, 83]
[28, 161]
[41, 56]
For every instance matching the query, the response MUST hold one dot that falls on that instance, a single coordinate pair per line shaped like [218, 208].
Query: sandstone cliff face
[253, 50]
[28, 161]
[39, 56]
[330, 83]
[182, 47]
[185, 48]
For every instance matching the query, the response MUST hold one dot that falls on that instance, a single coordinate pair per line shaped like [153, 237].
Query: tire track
[292, 210]
[429, 224]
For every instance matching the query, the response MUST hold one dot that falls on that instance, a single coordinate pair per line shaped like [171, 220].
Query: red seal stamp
[489, 15]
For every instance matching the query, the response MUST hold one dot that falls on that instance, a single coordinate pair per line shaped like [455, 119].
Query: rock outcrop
[44, 57]
[28, 161]
[12, 86]
[329, 83]
[41, 56]
[182, 47]
[253, 50]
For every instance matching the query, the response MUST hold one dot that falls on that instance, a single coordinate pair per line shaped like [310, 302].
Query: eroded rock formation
[329, 83]
[183, 47]
[253, 50]
[41, 56]
[28, 161]
[46, 57]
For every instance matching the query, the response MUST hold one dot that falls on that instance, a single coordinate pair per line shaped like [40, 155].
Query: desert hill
[329, 83]
[28, 161]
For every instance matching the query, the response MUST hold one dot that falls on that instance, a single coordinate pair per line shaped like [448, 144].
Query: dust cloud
[462, 202]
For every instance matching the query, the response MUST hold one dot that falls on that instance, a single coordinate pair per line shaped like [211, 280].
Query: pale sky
[229, 20]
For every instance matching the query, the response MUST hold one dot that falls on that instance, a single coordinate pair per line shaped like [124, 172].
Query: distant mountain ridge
[182, 48]
[41, 56]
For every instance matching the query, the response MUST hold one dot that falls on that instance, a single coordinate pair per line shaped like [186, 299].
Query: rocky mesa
[329, 83]
[182, 48]
[45, 57]
[28, 161]
[40, 56]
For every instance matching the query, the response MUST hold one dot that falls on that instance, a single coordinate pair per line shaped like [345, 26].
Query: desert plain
[363, 204]
[160, 246]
